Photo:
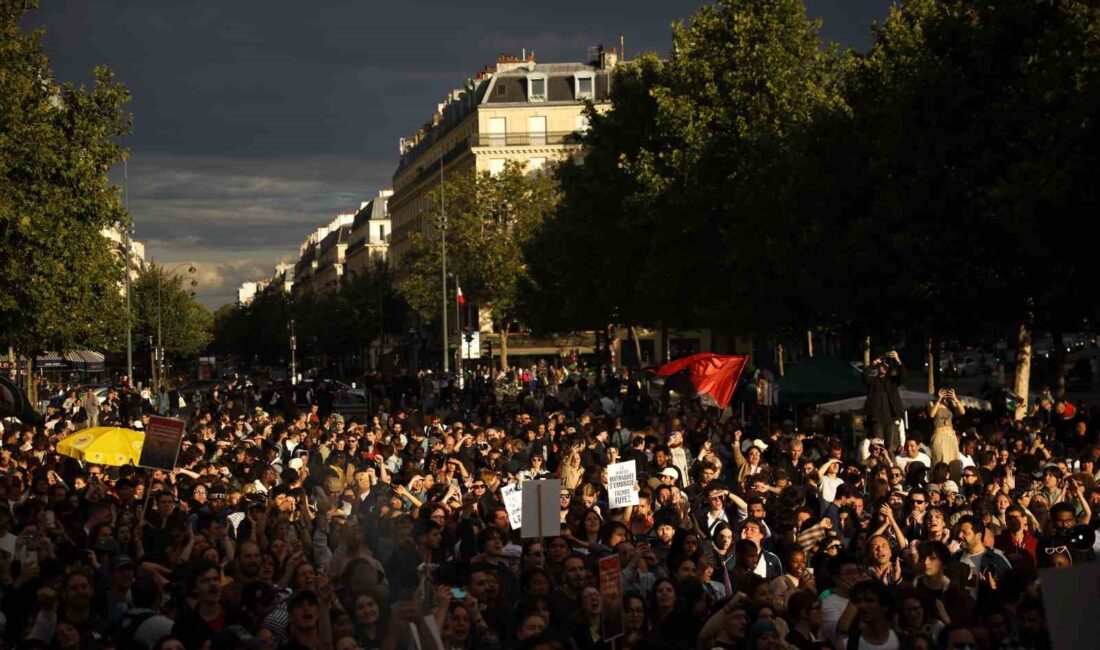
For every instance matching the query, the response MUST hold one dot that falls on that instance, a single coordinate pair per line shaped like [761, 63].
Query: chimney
[506, 62]
[608, 59]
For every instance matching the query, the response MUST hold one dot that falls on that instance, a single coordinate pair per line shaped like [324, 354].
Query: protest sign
[513, 503]
[162, 443]
[1071, 624]
[621, 479]
[611, 592]
[541, 508]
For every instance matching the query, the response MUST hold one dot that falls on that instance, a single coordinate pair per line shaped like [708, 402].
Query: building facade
[518, 110]
[370, 234]
[321, 256]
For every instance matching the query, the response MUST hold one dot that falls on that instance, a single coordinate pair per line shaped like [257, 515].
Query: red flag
[461, 298]
[712, 374]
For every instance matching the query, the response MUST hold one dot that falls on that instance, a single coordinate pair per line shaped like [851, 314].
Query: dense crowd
[289, 525]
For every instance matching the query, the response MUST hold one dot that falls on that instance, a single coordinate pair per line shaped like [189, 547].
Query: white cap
[296, 463]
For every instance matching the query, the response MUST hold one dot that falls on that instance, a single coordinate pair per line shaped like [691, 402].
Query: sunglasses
[1055, 550]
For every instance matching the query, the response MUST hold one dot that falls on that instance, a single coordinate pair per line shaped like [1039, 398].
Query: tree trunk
[930, 359]
[867, 352]
[810, 343]
[504, 346]
[1058, 358]
[637, 345]
[779, 353]
[1023, 366]
[615, 346]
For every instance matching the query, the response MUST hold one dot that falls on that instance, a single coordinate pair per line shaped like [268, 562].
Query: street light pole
[293, 354]
[129, 259]
[443, 257]
[458, 336]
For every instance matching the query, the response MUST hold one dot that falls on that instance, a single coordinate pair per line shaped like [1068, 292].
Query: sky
[257, 122]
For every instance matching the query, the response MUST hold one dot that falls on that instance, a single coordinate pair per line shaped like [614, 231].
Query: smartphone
[458, 592]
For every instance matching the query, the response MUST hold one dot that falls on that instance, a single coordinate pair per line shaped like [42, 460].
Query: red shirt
[1023, 555]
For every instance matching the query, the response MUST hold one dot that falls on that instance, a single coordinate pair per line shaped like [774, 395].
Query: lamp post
[293, 353]
[158, 376]
[443, 258]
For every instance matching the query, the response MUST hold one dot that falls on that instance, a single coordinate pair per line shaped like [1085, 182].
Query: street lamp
[293, 353]
[443, 258]
[158, 374]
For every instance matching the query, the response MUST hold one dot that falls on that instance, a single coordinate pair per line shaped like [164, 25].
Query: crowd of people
[287, 524]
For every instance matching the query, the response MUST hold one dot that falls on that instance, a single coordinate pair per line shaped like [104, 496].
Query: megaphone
[1081, 538]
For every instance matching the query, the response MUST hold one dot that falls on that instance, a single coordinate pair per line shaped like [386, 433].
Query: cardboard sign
[1071, 624]
[513, 503]
[611, 591]
[541, 508]
[162, 443]
[621, 479]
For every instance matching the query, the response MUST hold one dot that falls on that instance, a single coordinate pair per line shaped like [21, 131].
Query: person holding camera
[883, 407]
[945, 443]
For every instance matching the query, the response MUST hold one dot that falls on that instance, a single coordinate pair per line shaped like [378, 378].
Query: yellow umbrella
[104, 445]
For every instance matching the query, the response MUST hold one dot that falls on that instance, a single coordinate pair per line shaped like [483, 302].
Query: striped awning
[81, 360]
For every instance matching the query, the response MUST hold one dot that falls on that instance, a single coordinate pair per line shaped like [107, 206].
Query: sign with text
[162, 443]
[513, 503]
[541, 508]
[621, 479]
[611, 593]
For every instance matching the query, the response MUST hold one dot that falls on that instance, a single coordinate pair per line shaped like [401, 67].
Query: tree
[490, 218]
[160, 302]
[59, 281]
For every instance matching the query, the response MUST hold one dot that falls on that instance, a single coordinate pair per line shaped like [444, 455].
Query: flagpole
[443, 259]
[458, 332]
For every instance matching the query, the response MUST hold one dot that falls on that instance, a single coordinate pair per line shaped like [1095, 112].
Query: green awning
[820, 380]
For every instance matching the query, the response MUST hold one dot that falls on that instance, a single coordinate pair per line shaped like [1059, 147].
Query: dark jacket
[883, 399]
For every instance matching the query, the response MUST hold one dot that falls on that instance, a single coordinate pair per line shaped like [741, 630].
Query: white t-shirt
[891, 643]
[903, 461]
[829, 484]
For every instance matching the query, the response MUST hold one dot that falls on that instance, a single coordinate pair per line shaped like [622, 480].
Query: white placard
[621, 480]
[513, 503]
[542, 503]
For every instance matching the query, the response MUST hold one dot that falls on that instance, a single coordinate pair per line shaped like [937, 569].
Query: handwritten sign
[162, 443]
[621, 479]
[513, 503]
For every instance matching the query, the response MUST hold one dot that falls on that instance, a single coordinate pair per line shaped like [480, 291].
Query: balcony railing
[525, 139]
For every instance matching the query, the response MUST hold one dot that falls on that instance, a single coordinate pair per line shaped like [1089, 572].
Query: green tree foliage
[59, 281]
[490, 219]
[331, 328]
[185, 325]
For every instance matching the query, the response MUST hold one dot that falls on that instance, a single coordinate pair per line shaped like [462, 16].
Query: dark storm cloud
[255, 122]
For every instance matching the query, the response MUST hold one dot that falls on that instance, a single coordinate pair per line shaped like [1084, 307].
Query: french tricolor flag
[461, 298]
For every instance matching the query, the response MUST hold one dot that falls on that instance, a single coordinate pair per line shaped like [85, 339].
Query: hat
[120, 562]
[513, 551]
[877, 442]
[136, 424]
[296, 463]
[257, 591]
[761, 627]
[299, 598]
[758, 443]
[670, 472]
[949, 487]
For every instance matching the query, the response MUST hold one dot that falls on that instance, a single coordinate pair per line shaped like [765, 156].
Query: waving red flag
[712, 374]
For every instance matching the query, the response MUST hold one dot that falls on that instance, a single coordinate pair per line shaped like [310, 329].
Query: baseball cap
[121, 561]
[950, 487]
[670, 472]
[296, 463]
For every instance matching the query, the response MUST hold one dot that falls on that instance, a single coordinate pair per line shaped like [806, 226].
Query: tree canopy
[59, 281]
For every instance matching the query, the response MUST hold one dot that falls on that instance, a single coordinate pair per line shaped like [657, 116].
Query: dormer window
[585, 85]
[536, 88]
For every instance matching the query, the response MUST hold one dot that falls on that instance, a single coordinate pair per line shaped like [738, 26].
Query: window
[536, 166]
[382, 232]
[502, 90]
[585, 86]
[496, 166]
[498, 131]
[536, 130]
[536, 88]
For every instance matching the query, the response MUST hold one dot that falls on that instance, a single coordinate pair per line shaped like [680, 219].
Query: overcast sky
[255, 122]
